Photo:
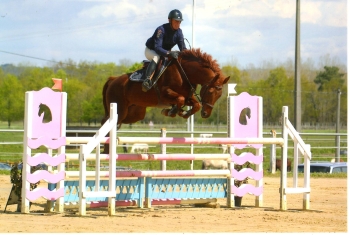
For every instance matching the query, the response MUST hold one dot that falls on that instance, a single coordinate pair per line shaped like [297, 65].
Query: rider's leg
[154, 58]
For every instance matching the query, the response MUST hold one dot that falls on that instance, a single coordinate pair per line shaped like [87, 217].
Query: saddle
[139, 75]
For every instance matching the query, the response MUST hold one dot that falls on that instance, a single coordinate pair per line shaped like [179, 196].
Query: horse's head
[210, 93]
[45, 110]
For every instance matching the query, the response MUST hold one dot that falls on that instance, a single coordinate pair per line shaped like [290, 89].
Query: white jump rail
[299, 148]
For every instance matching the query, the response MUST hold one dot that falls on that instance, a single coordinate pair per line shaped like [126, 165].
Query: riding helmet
[176, 15]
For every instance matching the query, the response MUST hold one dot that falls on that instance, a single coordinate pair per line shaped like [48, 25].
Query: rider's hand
[174, 54]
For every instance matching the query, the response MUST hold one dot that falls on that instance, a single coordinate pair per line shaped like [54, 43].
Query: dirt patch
[328, 214]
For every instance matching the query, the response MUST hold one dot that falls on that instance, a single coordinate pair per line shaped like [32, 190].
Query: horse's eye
[218, 88]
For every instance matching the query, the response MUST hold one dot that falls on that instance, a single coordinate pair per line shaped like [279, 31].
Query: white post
[306, 196]
[26, 151]
[230, 180]
[230, 128]
[97, 168]
[112, 159]
[163, 150]
[283, 182]
[62, 150]
[259, 167]
[82, 180]
[273, 154]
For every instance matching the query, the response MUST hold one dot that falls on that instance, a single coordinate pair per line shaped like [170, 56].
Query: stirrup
[146, 85]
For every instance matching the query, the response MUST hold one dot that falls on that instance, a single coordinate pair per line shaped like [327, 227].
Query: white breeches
[151, 55]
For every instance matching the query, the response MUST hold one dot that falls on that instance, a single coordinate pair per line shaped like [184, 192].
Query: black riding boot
[147, 84]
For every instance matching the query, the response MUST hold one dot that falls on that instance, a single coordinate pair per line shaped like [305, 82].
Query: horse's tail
[104, 99]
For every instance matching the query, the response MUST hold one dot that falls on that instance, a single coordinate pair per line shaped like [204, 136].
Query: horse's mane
[205, 59]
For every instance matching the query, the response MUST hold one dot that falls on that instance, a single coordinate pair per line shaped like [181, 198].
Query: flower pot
[238, 201]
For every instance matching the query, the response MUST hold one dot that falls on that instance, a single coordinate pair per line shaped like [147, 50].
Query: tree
[35, 78]
[134, 67]
[76, 94]
[276, 91]
[93, 110]
[331, 74]
[12, 101]
[329, 81]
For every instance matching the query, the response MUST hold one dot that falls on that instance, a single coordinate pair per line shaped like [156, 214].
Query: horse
[47, 113]
[214, 164]
[279, 165]
[175, 87]
[243, 116]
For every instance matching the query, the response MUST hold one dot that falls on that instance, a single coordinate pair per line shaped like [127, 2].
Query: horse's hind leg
[135, 114]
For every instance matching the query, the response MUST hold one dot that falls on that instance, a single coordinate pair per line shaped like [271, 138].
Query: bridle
[193, 90]
[207, 86]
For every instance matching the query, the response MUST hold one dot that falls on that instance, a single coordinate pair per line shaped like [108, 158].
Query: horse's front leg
[175, 99]
[196, 106]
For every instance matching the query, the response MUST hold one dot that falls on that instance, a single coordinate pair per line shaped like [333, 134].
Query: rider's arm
[158, 42]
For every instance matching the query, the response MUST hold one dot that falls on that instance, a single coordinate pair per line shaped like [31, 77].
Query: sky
[236, 32]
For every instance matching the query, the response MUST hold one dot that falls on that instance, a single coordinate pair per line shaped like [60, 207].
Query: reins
[193, 90]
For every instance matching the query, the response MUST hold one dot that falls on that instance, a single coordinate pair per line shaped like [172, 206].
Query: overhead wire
[33, 57]
[80, 28]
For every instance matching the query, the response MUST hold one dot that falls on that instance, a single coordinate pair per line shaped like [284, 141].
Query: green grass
[3, 172]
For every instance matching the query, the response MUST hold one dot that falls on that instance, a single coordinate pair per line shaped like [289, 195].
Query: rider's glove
[174, 54]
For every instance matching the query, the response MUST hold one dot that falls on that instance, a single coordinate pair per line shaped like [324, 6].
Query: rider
[164, 38]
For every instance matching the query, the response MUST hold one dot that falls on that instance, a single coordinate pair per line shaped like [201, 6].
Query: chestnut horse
[175, 87]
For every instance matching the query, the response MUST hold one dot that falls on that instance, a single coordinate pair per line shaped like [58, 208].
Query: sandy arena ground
[328, 214]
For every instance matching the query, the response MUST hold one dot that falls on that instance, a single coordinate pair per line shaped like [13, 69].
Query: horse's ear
[226, 80]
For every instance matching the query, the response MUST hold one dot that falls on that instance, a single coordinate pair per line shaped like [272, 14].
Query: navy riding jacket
[165, 38]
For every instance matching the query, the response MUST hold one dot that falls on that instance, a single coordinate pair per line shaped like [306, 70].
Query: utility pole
[337, 137]
[297, 86]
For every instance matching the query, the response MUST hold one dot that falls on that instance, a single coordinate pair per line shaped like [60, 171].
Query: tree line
[83, 83]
